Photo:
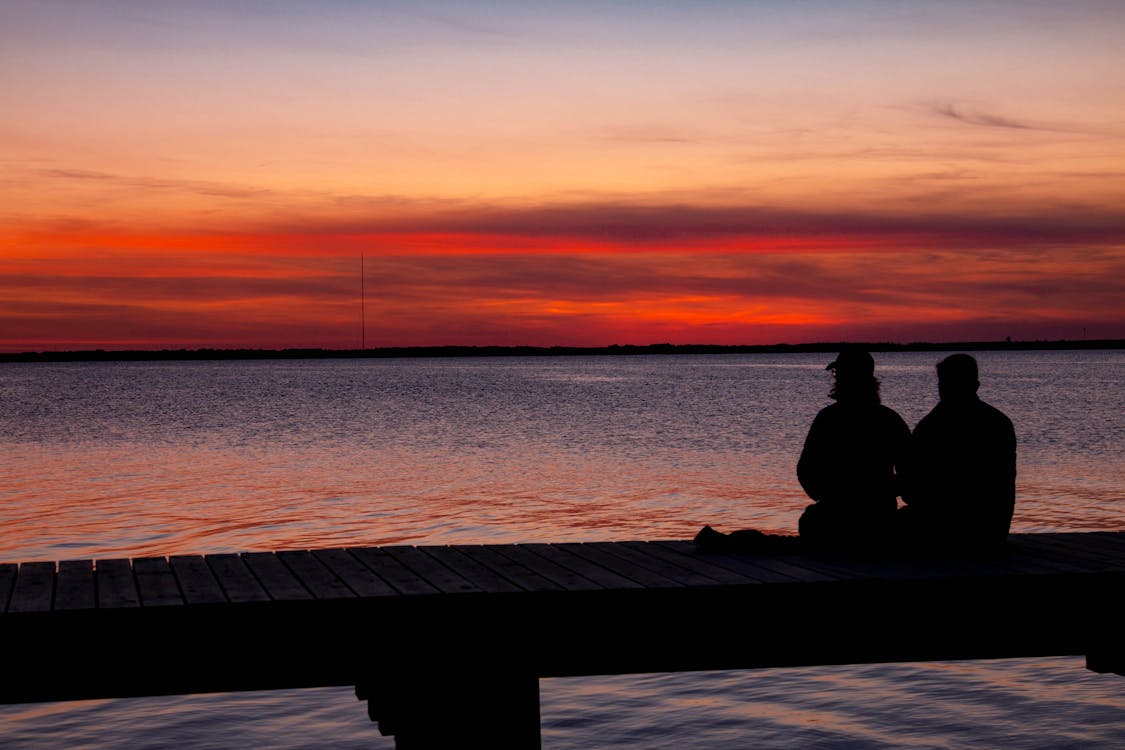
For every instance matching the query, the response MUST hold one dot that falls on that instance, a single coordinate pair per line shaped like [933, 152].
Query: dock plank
[357, 576]
[1062, 559]
[1090, 546]
[481, 575]
[684, 575]
[156, 583]
[701, 566]
[278, 581]
[602, 576]
[860, 567]
[236, 579]
[843, 567]
[541, 559]
[596, 553]
[7, 581]
[1018, 561]
[388, 568]
[740, 564]
[116, 587]
[35, 588]
[1112, 539]
[75, 589]
[434, 572]
[315, 575]
[490, 557]
[196, 580]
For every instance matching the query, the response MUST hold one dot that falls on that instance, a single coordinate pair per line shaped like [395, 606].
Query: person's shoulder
[834, 416]
[828, 411]
[931, 420]
[886, 410]
[994, 414]
[890, 414]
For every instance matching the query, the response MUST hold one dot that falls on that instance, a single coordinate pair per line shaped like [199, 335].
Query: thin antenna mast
[362, 307]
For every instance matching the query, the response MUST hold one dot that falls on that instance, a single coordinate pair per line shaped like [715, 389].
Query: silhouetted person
[959, 482]
[847, 466]
[849, 458]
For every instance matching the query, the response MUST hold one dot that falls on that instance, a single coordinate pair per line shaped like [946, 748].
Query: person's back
[849, 457]
[847, 464]
[959, 477]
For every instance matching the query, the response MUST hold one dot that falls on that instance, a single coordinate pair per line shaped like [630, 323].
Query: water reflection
[170, 457]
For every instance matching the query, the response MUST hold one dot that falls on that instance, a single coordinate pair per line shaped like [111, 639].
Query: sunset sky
[588, 172]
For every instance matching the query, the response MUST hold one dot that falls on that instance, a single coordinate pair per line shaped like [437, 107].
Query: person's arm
[901, 451]
[912, 471]
[1003, 476]
[811, 464]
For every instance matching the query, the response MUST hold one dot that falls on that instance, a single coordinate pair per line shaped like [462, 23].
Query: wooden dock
[448, 642]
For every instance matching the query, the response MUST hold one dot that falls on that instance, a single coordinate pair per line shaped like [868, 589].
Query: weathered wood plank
[435, 573]
[568, 570]
[540, 559]
[1112, 539]
[740, 564]
[984, 565]
[1016, 561]
[681, 574]
[7, 581]
[843, 567]
[1019, 551]
[155, 582]
[1063, 561]
[1096, 545]
[116, 587]
[35, 588]
[404, 580]
[278, 581]
[596, 553]
[75, 589]
[484, 577]
[1091, 546]
[196, 580]
[1100, 545]
[357, 576]
[315, 575]
[715, 573]
[517, 573]
[236, 579]
[866, 567]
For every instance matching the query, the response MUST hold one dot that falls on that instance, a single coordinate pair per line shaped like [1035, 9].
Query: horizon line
[462, 350]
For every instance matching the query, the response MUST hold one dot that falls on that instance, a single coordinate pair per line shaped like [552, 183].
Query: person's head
[854, 371]
[957, 377]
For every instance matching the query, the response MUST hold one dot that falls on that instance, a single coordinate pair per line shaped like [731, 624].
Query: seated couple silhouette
[955, 473]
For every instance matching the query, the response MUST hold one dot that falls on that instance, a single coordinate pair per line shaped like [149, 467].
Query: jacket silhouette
[849, 459]
[960, 473]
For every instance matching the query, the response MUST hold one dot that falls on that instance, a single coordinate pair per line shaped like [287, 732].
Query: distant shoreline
[101, 355]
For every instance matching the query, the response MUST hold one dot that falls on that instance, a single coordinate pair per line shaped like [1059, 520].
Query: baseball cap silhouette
[853, 362]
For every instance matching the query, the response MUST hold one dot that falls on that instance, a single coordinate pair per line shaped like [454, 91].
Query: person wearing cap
[847, 466]
[959, 481]
[849, 460]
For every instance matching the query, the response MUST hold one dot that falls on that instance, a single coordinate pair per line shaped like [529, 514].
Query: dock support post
[1106, 663]
[436, 710]
[1106, 653]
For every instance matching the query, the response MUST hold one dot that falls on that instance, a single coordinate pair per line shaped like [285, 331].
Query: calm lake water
[158, 458]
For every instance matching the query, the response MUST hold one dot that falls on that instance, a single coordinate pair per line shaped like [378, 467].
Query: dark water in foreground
[113, 459]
